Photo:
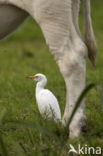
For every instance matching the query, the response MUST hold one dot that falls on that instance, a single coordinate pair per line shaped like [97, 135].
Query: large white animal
[58, 20]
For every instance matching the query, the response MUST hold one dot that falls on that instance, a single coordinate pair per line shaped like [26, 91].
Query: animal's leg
[89, 34]
[55, 19]
[73, 68]
[10, 18]
[75, 14]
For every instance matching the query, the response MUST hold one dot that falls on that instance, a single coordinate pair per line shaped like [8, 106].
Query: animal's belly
[10, 18]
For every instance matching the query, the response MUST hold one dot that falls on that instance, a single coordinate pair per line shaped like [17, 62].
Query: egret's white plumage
[47, 102]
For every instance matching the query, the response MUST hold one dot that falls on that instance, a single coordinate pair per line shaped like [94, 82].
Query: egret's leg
[55, 19]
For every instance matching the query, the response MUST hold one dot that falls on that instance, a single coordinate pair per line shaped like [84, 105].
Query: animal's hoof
[84, 129]
[77, 129]
[74, 133]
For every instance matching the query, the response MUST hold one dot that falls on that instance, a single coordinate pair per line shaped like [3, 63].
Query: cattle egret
[47, 102]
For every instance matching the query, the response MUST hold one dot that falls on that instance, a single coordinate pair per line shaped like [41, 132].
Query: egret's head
[39, 78]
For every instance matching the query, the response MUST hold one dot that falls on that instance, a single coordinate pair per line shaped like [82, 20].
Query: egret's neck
[40, 85]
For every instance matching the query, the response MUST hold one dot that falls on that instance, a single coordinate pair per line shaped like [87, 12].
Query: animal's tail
[89, 34]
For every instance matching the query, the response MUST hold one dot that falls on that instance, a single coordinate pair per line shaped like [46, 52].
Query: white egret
[47, 102]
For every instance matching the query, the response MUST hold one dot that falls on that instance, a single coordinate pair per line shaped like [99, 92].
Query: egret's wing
[50, 103]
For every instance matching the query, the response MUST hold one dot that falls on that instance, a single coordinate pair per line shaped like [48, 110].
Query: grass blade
[2, 114]
[83, 94]
[3, 148]
[42, 130]
[100, 92]
[31, 137]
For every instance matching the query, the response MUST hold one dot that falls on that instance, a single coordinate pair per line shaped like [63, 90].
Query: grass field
[25, 53]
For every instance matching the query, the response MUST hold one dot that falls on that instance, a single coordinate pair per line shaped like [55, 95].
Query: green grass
[25, 53]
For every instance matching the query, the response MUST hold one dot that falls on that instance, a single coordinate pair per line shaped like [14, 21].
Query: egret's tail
[89, 34]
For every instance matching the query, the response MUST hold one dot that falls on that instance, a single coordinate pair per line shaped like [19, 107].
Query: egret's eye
[39, 78]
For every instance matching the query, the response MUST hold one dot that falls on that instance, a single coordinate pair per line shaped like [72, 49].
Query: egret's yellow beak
[31, 77]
